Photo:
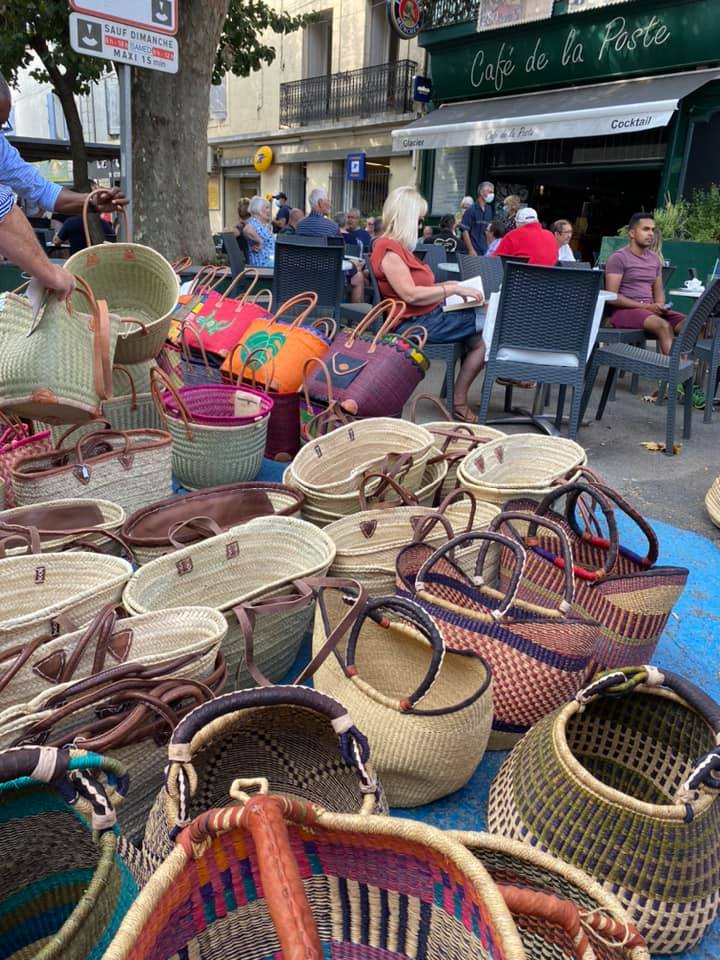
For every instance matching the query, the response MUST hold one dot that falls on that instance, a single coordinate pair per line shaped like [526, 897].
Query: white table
[684, 292]
[449, 267]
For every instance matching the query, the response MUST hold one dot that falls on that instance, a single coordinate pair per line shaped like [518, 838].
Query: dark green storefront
[595, 180]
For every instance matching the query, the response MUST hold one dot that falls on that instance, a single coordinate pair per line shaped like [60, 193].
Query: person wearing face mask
[476, 219]
[509, 211]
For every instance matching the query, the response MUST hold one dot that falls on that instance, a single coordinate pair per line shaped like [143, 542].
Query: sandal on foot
[464, 414]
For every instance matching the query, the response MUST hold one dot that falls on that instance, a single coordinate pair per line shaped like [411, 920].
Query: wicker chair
[676, 370]
[490, 269]
[307, 266]
[237, 256]
[708, 350]
[542, 332]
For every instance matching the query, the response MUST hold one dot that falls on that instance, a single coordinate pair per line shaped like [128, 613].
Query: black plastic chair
[299, 238]
[573, 265]
[300, 267]
[235, 254]
[708, 350]
[676, 370]
[490, 269]
[353, 250]
[544, 316]
[507, 258]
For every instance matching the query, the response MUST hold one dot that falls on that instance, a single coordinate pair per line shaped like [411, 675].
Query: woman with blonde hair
[401, 276]
[510, 207]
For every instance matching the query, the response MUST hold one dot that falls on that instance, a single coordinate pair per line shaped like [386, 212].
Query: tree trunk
[170, 118]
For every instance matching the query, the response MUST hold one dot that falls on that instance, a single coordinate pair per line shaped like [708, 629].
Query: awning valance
[624, 106]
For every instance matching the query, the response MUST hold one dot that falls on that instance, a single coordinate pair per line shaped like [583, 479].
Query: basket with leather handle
[323, 885]
[65, 883]
[59, 522]
[622, 782]
[373, 375]
[131, 468]
[629, 595]
[222, 320]
[189, 302]
[58, 368]
[138, 284]
[540, 654]
[425, 710]
[16, 441]
[177, 522]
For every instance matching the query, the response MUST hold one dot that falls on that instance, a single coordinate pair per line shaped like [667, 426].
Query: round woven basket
[138, 284]
[523, 464]
[108, 516]
[334, 463]
[712, 502]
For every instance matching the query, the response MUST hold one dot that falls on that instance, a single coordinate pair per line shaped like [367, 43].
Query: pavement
[670, 489]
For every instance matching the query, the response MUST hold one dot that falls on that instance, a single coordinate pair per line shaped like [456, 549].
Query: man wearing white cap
[529, 239]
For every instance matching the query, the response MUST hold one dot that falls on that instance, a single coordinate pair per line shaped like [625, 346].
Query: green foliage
[703, 222]
[672, 219]
[241, 47]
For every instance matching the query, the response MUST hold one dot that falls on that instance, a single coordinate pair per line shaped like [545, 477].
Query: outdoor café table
[684, 292]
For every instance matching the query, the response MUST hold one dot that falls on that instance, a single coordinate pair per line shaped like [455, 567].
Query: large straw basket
[367, 543]
[65, 888]
[712, 502]
[573, 916]
[333, 464]
[301, 741]
[523, 464]
[622, 783]
[212, 444]
[425, 711]
[179, 521]
[279, 877]
[138, 284]
[58, 522]
[46, 594]
[58, 368]
[249, 564]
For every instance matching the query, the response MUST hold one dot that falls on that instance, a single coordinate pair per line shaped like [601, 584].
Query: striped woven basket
[57, 520]
[302, 742]
[241, 567]
[139, 285]
[65, 888]
[285, 878]
[559, 911]
[712, 502]
[47, 594]
[426, 711]
[621, 782]
[520, 465]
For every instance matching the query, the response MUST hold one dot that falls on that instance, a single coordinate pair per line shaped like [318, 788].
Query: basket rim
[465, 467]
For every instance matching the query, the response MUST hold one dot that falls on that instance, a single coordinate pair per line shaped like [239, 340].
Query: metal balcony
[385, 88]
[446, 13]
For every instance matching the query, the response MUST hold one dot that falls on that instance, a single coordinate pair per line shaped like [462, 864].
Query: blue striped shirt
[7, 202]
[24, 179]
[316, 225]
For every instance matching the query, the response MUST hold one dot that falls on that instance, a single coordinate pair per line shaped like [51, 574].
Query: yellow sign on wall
[263, 159]
[214, 192]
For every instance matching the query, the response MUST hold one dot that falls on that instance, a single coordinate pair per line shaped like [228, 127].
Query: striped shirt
[24, 179]
[7, 202]
[316, 225]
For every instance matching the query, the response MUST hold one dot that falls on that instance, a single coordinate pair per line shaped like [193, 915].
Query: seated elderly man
[318, 224]
[529, 239]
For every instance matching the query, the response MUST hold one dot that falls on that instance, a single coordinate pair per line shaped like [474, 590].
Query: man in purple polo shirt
[635, 274]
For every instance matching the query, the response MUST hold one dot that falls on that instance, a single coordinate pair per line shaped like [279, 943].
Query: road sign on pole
[157, 15]
[124, 44]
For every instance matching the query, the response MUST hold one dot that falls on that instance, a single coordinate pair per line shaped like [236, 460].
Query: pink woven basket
[219, 405]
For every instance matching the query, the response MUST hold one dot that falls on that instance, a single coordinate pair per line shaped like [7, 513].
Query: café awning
[624, 106]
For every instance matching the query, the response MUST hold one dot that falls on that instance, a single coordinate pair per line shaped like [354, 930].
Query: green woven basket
[138, 283]
[65, 886]
[622, 783]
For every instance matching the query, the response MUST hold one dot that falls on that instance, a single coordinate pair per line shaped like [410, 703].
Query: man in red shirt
[529, 239]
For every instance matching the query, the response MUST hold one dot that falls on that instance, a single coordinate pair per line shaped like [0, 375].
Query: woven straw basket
[285, 878]
[620, 782]
[56, 521]
[333, 464]
[367, 543]
[46, 594]
[427, 743]
[148, 531]
[138, 284]
[237, 568]
[712, 502]
[169, 637]
[65, 888]
[523, 464]
[574, 917]
[302, 742]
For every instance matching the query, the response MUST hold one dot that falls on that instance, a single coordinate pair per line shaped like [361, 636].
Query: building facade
[336, 87]
[590, 110]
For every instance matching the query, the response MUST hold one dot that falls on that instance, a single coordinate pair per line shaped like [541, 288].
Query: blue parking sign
[355, 166]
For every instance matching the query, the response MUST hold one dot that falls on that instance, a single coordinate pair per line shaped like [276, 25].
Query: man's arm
[659, 291]
[465, 226]
[19, 244]
[612, 283]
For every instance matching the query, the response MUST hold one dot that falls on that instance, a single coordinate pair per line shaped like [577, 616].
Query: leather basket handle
[85, 210]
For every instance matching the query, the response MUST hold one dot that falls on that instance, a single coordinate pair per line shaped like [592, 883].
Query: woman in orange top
[402, 276]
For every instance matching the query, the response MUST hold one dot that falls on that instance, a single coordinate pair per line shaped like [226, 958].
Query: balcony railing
[386, 88]
[446, 13]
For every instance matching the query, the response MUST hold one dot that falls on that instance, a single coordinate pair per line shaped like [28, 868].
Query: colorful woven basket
[301, 741]
[426, 743]
[712, 502]
[630, 596]
[622, 782]
[559, 911]
[139, 285]
[65, 887]
[539, 655]
[280, 877]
